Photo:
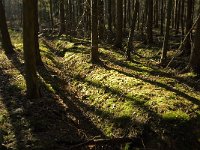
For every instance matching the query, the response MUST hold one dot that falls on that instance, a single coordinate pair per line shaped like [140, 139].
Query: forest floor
[81, 101]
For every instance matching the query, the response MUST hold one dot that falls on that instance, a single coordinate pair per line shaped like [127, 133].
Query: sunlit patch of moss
[43, 48]
[176, 115]
[63, 44]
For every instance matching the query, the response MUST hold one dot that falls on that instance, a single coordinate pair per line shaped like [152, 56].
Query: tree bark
[131, 34]
[189, 22]
[195, 54]
[150, 23]
[119, 28]
[94, 33]
[29, 49]
[166, 38]
[62, 17]
[6, 41]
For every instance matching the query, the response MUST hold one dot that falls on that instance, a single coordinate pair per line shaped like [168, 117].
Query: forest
[99, 74]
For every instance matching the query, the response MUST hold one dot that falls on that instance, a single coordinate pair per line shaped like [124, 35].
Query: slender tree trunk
[161, 18]
[166, 38]
[119, 30]
[178, 17]
[101, 19]
[6, 41]
[110, 15]
[182, 16]
[189, 22]
[62, 17]
[125, 14]
[131, 34]
[150, 22]
[94, 33]
[51, 14]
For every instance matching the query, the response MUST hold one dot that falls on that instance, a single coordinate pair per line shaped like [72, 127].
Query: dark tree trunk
[189, 22]
[94, 33]
[131, 34]
[6, 41]
[195, 54]
[51, 14]
[182, 16]
[62, 17]
[110, 15]
[150, 23]
[29, 49]
[101, 19]
[161, 18]
[166, 38]
[119, 28]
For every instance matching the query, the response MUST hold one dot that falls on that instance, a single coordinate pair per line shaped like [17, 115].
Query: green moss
[176, 115]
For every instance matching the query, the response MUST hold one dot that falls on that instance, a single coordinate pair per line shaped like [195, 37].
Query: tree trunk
[51, 14]
[6, 41]
[119, 30]
[161, 18]
[94, 33]
[166, 38]
[109, 15]
[62, 17]
[195, 54]
[131, 34]
[29, 49]
[101, 19]
[189, 22]
[150, 23]
[182, 16]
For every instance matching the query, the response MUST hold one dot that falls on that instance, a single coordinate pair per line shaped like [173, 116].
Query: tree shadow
[169, 88]
[154, 72]
[174, 129]
[165, 124]
[45, 123]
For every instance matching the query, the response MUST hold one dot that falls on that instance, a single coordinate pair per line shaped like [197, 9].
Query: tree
[119, 27]
[94, 33]
[150, 22]
[6, 41]
[195, 54]
[131, 34]
[109, 15]
[166, 38]
[62, 17]
[189, 22]
[36, 42]
[29, 49]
